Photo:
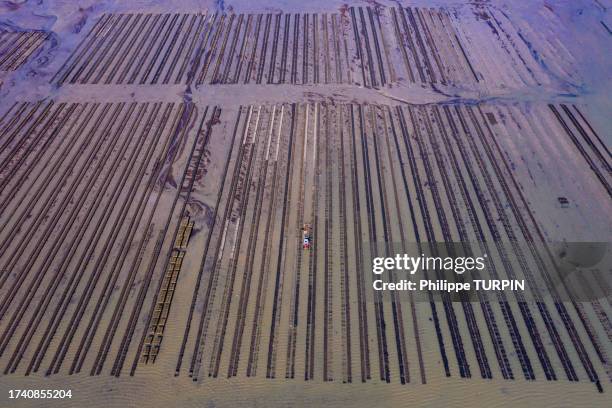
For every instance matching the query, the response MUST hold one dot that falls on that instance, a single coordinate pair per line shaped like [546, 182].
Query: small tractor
[306, 236]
